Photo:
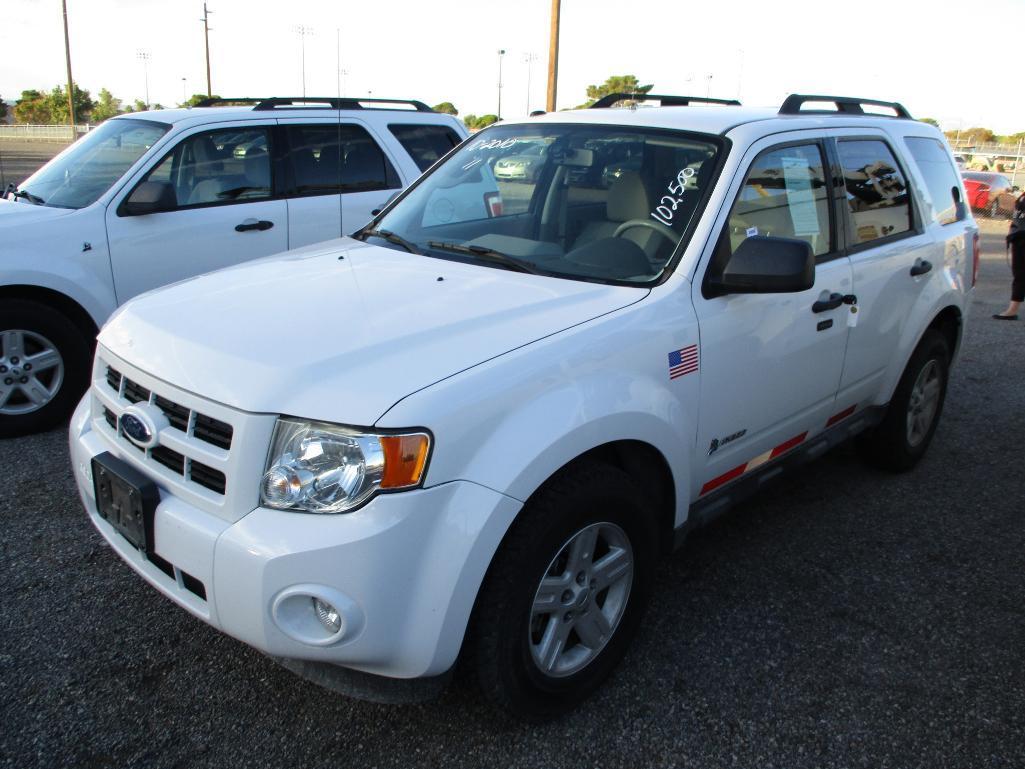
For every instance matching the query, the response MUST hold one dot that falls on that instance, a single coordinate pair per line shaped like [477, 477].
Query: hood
[342, 332]
[15, 213]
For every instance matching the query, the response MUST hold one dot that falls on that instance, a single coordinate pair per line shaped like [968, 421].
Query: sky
[912, 51]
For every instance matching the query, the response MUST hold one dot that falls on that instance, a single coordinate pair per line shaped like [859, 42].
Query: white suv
[152, 198]
[477, 436]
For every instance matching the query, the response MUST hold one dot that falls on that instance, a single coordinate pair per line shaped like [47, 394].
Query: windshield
[87, 169]
[591, 202]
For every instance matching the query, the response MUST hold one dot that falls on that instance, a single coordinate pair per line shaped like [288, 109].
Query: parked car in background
[156, 197]
[523, 166]
[990, 193]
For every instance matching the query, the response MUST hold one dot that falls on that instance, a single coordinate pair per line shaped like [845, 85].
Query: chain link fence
[994, 175]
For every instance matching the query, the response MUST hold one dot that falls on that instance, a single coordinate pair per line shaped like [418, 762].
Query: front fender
[68, 255]
[511, 422]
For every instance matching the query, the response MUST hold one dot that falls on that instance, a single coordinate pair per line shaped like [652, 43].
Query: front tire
[44, 367]
[564, 594]
[901, 439]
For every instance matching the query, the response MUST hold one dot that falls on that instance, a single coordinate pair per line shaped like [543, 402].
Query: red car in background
[991, 193]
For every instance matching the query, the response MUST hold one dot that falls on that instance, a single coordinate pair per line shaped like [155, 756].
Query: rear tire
[44, 367]
[564, 594]
[902, 438]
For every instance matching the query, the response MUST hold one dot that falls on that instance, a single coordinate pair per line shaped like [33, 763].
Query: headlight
[316, 467]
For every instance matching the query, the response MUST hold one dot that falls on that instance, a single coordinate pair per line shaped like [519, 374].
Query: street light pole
[553, 56]
[184, 97]
[144, 57]
[71, 82]
[530, 58]
[303, 31]
[501, 53]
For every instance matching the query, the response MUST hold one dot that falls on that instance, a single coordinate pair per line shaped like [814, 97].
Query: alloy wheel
[923, 403]
[31, 371]
[581, 599]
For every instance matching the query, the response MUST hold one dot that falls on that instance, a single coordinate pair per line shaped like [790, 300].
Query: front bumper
[404, 570]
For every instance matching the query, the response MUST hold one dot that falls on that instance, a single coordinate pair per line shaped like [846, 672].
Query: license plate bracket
[126, 499]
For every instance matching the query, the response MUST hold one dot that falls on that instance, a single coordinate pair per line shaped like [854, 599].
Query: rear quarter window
[940, 177]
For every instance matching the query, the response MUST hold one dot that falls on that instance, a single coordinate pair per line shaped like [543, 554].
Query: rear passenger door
[770, 364]
[336, 174]
[891, 255]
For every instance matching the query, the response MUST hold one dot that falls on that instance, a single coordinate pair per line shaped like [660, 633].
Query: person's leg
[1017, 283]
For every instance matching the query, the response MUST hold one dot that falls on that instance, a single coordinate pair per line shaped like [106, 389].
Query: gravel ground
[844, 618]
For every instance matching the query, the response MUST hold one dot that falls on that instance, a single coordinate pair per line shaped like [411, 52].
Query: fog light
[328, 615]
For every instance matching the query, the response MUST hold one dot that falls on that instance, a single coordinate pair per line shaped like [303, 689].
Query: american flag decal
[683, 361]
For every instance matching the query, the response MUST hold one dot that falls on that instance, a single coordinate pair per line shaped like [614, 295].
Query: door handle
[822, 305]
[920, 267]
[253, 224]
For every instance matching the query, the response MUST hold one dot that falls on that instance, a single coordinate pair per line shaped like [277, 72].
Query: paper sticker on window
[751, 232]
[800, 196]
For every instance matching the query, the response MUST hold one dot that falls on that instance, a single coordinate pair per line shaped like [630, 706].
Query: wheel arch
[950, 323]
[58, 301]
[646, 465]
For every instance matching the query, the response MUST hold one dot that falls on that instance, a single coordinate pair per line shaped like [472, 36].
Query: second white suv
[478, 435]
[151, 198]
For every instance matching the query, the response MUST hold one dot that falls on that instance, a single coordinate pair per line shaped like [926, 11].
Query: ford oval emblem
[140, 426]
[136, 430]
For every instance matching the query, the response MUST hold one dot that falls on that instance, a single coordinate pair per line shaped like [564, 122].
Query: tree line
[51, 107]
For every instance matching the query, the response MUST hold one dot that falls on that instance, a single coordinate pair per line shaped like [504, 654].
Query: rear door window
[940, 177]
[877, 192]
[328, 158]
[426, 144]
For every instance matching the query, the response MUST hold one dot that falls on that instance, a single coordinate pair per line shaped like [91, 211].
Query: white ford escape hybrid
[474, 435]
[152, 198]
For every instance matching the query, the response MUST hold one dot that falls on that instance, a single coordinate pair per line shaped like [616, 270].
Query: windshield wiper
[388, 235]
[488, 254]
[12, 190]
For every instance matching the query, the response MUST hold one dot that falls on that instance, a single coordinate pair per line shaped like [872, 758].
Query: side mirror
[150, 198]
[764, 265]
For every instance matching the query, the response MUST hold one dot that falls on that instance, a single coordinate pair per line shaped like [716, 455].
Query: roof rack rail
[667, 101]
[312, 102]
[847, 105]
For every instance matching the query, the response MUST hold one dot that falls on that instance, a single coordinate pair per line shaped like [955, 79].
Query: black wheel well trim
[648, 468]
[948, 322]
[58, 301]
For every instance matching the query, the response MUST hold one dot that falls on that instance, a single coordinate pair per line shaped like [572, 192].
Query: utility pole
[71, 82]
[501, 53]
[206, 40]
[553, 56]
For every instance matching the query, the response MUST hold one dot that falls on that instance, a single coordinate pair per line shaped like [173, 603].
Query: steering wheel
[663, 230]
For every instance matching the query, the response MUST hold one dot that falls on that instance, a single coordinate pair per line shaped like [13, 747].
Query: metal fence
[41, 133]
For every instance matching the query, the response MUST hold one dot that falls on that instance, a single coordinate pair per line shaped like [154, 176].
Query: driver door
[224, 210]
[770, 363]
